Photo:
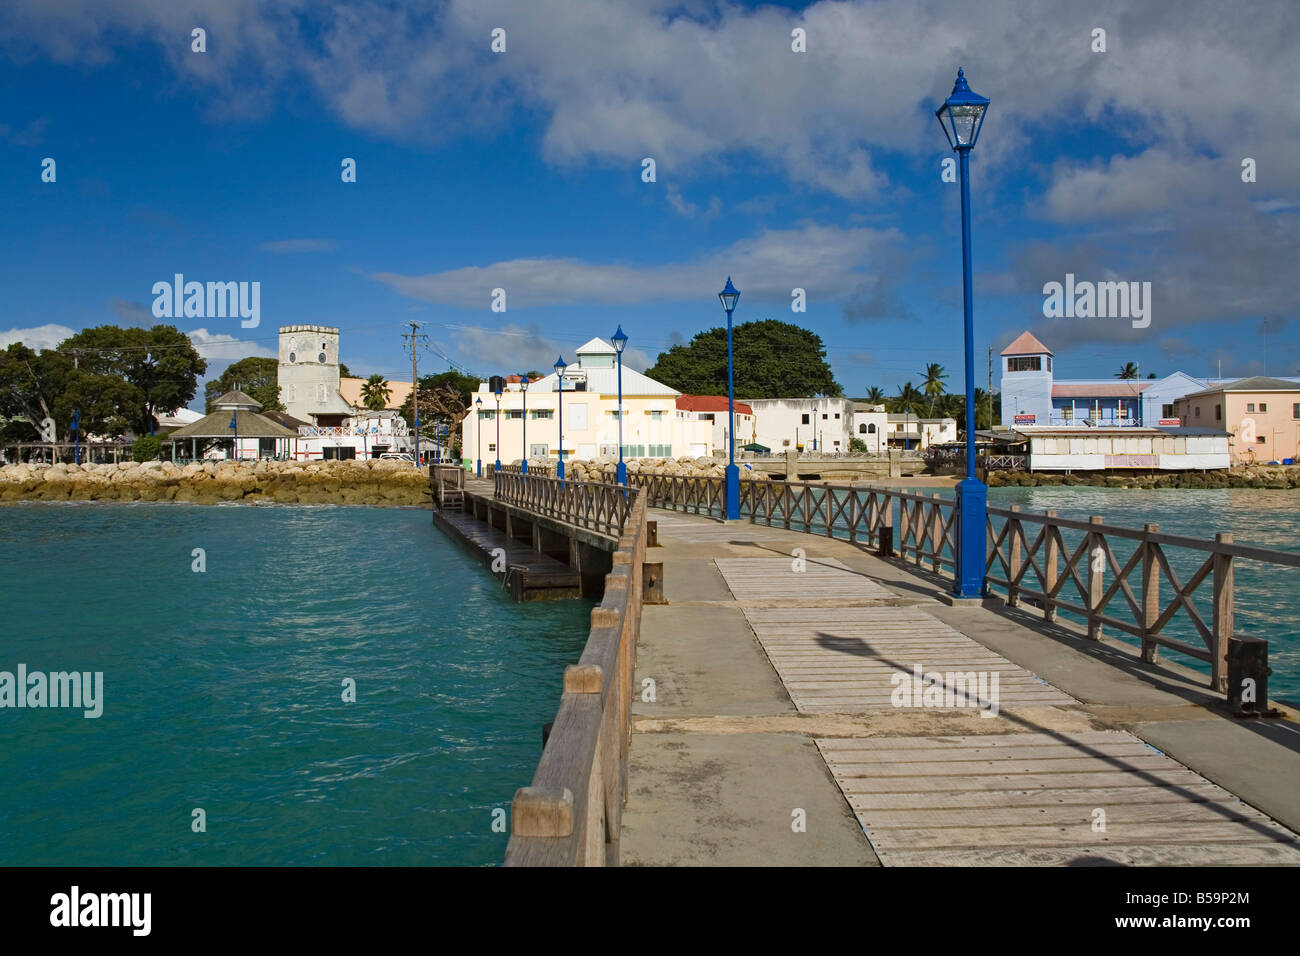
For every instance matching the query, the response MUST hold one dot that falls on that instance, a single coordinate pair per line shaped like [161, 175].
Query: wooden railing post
[1150, 596]
[1095, 577]
[904, 526]
[853, 516]
[885, 540]
[936, 533]
[1223, 606]
[1051, 560]
[1013, 559]
[828, 501]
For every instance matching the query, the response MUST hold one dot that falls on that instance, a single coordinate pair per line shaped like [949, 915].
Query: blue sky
[523, 170]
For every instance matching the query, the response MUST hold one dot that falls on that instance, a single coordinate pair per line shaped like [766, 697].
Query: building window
[1033, 363]
[492, 447]
[862, 429]
[706, 416]
[1295, 410]
[805, 420]
[871, 429]
[1067, 414]
[545, 414]
[515, 413]
[1049, 363]
[655, 416]
[1263, 406]
[1198, 411]
[1166, 411]
[837, 415]
[1260, 440]
[823, 416]
[1218, 413]
[1250, 406]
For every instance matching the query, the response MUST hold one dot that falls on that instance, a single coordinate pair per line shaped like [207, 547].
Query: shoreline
[375, 483]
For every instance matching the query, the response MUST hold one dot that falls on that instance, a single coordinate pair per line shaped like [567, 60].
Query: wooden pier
[1029, 736]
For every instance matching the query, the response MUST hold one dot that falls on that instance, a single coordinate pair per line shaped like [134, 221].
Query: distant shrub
[857, 444]
[146, 448]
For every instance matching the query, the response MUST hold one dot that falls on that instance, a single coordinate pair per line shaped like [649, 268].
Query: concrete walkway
[781, 748]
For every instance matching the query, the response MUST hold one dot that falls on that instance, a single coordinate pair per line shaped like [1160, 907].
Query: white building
[652, 425]
[308, 375]
[714, 408]
[870, 426]
[1147, 449]
[808, 424]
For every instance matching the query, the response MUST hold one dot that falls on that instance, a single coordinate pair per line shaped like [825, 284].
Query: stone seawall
[1258, 476]
[383, 483]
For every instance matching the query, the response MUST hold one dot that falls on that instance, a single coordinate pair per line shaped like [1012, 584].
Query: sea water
[228, 638]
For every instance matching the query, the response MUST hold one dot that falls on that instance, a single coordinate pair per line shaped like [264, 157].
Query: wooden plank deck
[1033, 799]
[529, 575]
[837, 642]
[837, 639]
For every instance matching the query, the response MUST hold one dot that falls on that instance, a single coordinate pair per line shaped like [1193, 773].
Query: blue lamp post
[729, 296]
[523, 387]
[76, 437]
[560, 366]
[478, 441]
[498, 464]
[962, 116]
[620, 343]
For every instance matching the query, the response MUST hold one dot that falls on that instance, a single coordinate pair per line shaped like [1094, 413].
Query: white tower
[308, 374]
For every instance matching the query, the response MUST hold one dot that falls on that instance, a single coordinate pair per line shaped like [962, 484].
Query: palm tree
[1130, 370]
[374, 394]
[908, 397]
[934, 376]
[875, 395]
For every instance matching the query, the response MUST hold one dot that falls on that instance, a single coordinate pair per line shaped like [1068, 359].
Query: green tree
[375, 393]
[255, 376]
[160, 364]
[146, 448]
[35, 386]
[772, 360]
[875, 395]
[343, 371]
[932, 383]
[908, 397]
[1129, 370]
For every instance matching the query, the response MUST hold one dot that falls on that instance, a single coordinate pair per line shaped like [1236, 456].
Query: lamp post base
[559, 468]
[480, 468]
[972, 534]
[523, 467]
[733, 492]
[621, 472]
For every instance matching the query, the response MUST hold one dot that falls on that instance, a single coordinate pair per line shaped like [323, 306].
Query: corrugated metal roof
[1119, 389]
[709, 403]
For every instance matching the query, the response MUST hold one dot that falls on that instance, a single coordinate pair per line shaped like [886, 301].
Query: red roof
[1101, 390]
[1026, 344]
[710, 403]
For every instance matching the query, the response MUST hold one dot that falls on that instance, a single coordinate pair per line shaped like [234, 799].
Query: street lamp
[523, 387]
[620, 343]
[498, 464]
[729, 296]
[478, 441]
[560, 366]
[962, 116]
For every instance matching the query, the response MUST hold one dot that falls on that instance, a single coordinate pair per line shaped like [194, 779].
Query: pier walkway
[765, 731]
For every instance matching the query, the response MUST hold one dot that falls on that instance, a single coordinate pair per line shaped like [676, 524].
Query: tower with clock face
[308, 374]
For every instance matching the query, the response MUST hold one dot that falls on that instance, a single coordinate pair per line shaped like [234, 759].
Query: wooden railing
[571, 813]
[542, 471]
[447, 479]
[1110, 576]
[598, 507]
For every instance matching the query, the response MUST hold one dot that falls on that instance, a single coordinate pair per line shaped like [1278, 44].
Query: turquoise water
[1267, 601]
[222, 689]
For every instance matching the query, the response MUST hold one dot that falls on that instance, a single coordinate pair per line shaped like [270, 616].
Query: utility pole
[990, 386]
[414, 339]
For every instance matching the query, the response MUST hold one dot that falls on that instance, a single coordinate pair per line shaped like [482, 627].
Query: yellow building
[652, 427]
[1261, 414]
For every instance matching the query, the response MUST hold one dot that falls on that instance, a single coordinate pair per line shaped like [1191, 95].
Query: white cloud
[38, 338]
[218, 346]
[825, 261]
